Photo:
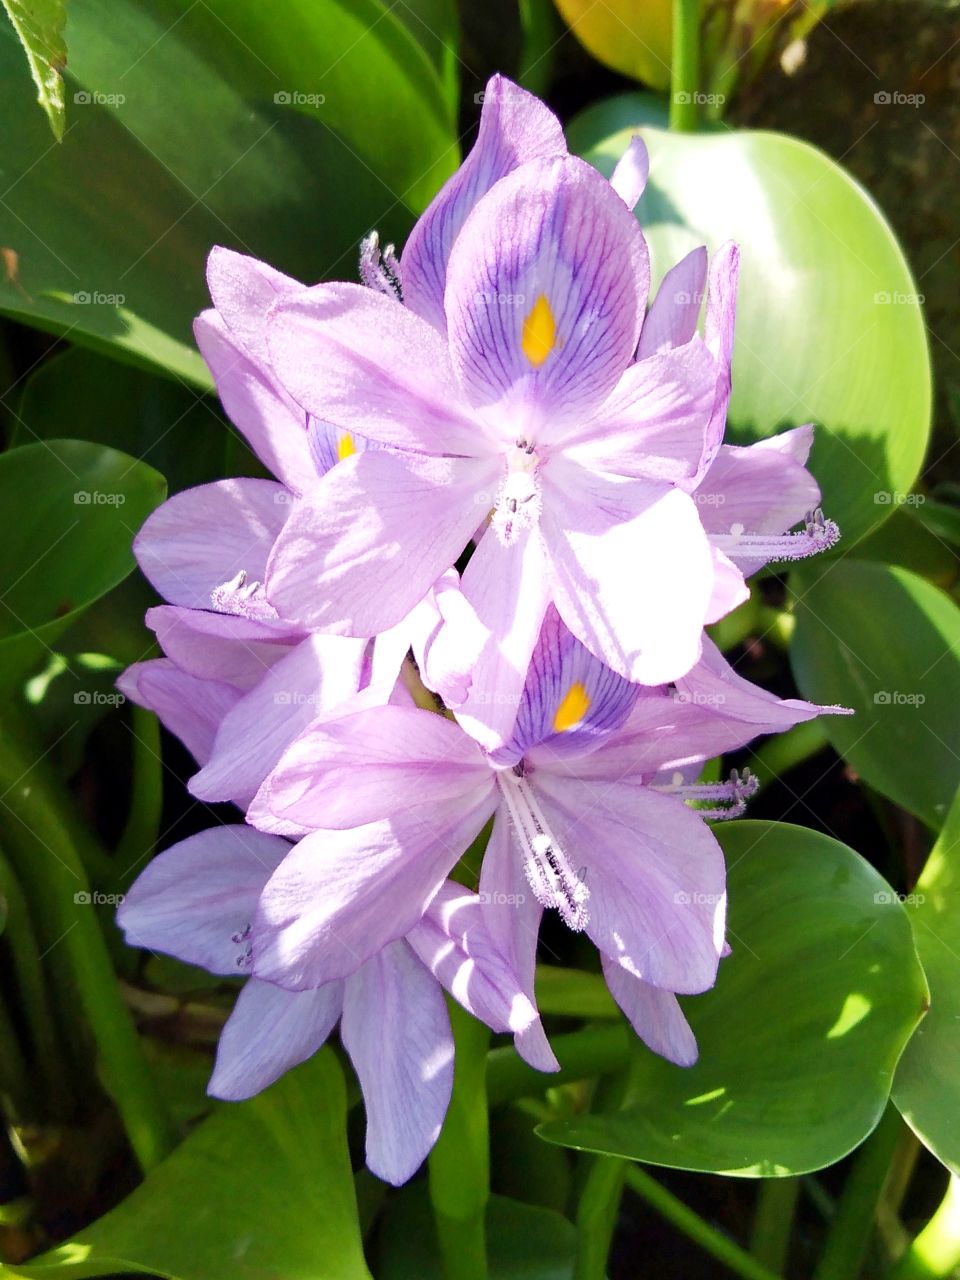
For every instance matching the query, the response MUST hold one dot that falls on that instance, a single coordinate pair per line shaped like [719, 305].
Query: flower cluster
[473, 600]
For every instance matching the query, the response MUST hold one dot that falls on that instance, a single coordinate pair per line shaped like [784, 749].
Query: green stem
[597, 1216]
[773, 1222]
[459, 1164]
[693, 1226]
[50, 869]
[935, 1253]
[146, 803]
[538, 23]
[853, 1225]
[48, 1052]
[14, 1077]
[582, 1054]
[685, 67]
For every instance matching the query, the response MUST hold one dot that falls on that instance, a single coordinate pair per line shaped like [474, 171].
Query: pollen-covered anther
[380, 271]
[242, 598]
[245, 959]
[519, 501]
[554, 882]
[723, 799]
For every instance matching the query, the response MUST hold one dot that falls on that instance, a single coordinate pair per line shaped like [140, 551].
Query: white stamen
[242, 598]
[519, 501]
[553, 881]
[380, 273]
[820, 534]
[732, 796]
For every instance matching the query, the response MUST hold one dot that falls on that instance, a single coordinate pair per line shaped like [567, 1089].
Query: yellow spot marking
[539, 332]
[575, 705]
[345, 447]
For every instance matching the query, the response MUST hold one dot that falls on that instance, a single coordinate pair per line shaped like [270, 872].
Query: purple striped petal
[190, 707]
[397, 1032]
[514, 127]
[373, 538]
[201, 538]
[545, 293]
[630, 175]
[269, 1031]
[243, 289]
[718, 333]
[632, 569]
[367, 364]
[655, 1015]
[672, 318]
[220, 646]
[196, 900]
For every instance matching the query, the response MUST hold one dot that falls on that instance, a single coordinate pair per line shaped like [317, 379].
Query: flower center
[552, 879]
[519, 500]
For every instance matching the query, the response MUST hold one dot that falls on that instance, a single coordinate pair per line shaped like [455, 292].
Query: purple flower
[589, 820]
[505, 380]
[197, 900]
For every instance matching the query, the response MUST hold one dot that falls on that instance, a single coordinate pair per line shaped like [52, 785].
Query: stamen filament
[553, 881]
[819, 535]
[243, 599]
[732, 795]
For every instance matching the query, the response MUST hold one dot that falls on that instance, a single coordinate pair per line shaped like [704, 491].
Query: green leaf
[907, 540]
[228, 122]
[816, 339]
[799, 1038]
[573, 993]
[162, 422]
[39, 24]
[885, 642]
[927, 1087]
[68, 513]
[262, 1188]
[525, 1242]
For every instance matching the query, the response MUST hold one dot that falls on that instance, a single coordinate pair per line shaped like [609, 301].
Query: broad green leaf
[800, 1037]
[573, 993]
[285, 132]
[164, 423]
[524, 1241]
[941, 518]
[68, 513]
[927, 1087]
[260, 1189]
[885, 642]
[39, 24]
[829, 329]
[907, 540]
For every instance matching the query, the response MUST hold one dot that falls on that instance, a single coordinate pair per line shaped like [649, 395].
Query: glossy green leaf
[829, 329]
[172, 427]
[573, 993]
[887, 643]
[261, 1188]
[69, 511]
[907, 540]
[39, 24]
[524, 1241]
[800, 1037]
[228, 122]
[927, 1086]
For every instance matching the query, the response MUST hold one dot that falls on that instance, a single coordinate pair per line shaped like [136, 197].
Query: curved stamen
[380, 272]
[731, 795]
[553, 881]
[820, 534]
[242, 598]
[245, 958]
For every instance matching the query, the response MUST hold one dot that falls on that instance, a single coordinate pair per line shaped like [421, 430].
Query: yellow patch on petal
[575, 705]
[345, 446]
[539, 332]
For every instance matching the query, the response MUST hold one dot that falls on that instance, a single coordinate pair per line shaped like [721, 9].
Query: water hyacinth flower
[505, 379]
[196, 901]
[588, 820]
